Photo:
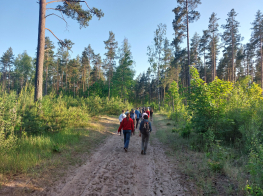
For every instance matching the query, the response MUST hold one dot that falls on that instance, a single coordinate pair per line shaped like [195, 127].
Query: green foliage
[31, 131]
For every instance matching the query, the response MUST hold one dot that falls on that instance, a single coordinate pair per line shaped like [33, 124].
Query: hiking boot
[142, 152]
[125, 149]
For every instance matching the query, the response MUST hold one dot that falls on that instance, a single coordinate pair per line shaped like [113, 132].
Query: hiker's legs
[143, 140]
[124, 135]
[146, 140]
[137, 122]
[127, 135]
[121, 129]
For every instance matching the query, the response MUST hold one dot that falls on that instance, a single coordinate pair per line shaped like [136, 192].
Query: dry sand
[112, 171]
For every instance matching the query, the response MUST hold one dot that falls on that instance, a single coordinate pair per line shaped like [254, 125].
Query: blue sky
[133, 19]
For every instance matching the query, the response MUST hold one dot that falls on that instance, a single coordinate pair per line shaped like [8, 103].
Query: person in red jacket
[128, 128]
[148, 112]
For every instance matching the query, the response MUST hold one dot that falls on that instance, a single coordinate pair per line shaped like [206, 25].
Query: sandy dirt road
[111, 171]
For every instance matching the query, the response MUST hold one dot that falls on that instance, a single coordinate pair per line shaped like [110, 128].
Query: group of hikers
[129, 121]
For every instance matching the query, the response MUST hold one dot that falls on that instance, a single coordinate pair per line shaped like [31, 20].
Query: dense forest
[210, 85]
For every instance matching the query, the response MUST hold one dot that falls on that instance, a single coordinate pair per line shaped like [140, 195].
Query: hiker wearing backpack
[121, 117]
[145, 130]
[138, 115]
[144, 114]
[128, 129]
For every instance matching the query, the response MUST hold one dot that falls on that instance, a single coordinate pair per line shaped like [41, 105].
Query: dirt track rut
[110, 171]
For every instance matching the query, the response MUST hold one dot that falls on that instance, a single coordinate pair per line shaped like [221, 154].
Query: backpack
[146, 128]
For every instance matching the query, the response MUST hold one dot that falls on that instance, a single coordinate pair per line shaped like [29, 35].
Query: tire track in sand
[110, 171]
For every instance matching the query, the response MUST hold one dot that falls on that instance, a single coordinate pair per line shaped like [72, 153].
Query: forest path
[111, 171]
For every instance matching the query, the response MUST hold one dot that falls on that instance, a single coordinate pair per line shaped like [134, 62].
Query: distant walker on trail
[145, 130]
[128, 129]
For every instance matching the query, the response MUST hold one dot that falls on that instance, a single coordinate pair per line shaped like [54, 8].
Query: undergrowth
[222, 121]
[31, 132]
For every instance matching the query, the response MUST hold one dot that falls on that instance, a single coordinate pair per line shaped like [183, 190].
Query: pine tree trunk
[261, 54]
[40, 51]
[66, 84]
[233, 66]
[205, 66]
[158, 88]
[247, 66]
[109, 85]
[57, 78]
[188, 48]
[84, 78]
[46, 80]
[9, 80]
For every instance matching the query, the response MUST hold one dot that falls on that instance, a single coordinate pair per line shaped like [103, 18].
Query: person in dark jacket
[145, 136]
[138, 115]
[128, 128]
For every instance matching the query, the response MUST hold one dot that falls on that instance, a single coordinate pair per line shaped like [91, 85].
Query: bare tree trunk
[40, 51]
[9, 79]
[109, 87]
[74, 88]
[233, 56]
[46, 80]
[261, 54]
[205, 66]
[247, 66]
[158, 88]
[163, 93]
[84, 79]
[57, 78]
[188, 48]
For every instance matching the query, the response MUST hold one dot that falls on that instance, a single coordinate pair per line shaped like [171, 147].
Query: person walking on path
[133, 117]
[121, 117]
[128, 129]
[151, 114]
[138, 115]
[148, 112]
[145, 130]
[143, 114]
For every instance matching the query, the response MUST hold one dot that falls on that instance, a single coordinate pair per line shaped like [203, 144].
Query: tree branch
[55, 36]
[67, 1]
[57, 16]
[54, 1]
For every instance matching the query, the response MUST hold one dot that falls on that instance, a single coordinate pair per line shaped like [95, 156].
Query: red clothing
[126, 125]
[148, 112]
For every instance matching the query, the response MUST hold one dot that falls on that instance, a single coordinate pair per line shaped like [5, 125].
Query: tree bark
[9, 79]
[46, 80]
[57, 78]
[188, 48]
[233, 66]
[40, 51]
[158, 88]
[109, 85]
[261, 53]
[205, 66]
